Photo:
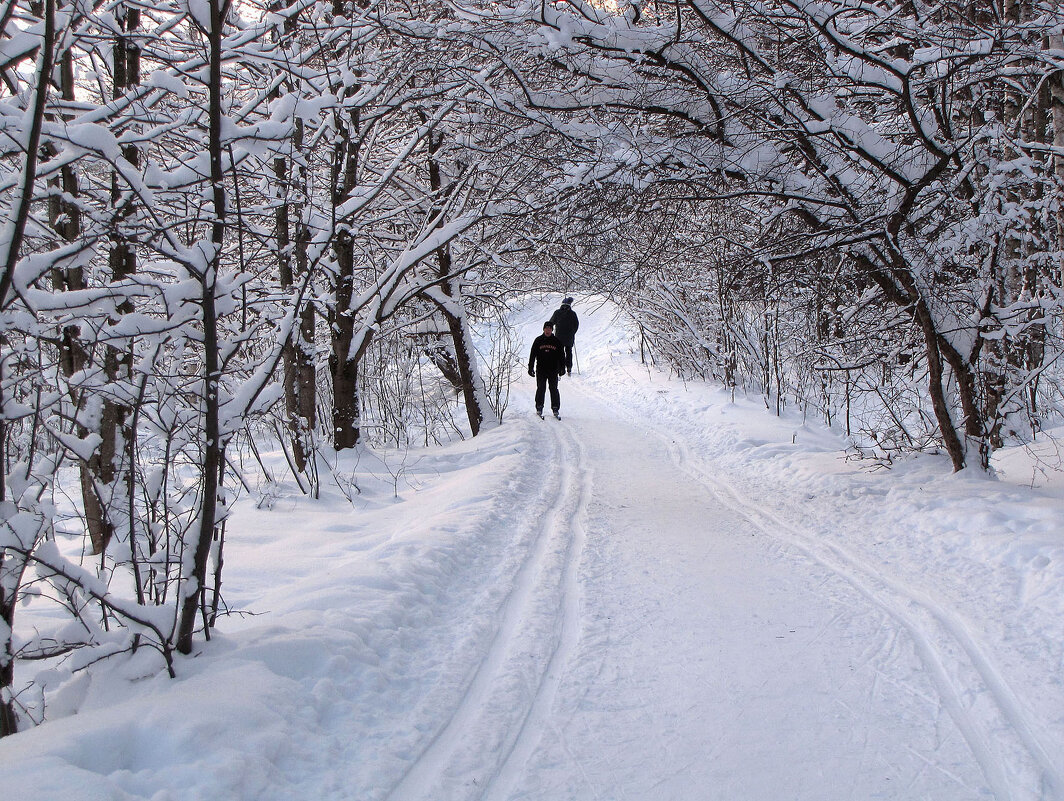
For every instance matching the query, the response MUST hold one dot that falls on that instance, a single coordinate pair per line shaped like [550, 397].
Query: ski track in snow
[547, 578]
[569, 631]
[1001, 735]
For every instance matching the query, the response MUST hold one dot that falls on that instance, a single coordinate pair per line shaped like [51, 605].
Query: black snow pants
[543, 379]
[568, 351]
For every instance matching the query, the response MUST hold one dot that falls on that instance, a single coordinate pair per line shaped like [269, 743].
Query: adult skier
[546, 363]
[565, 325]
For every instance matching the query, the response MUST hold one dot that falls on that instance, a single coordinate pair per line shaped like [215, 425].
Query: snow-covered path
[715, 657]
[668, 594]
[677, 636]
[486, 739]
[660, 644]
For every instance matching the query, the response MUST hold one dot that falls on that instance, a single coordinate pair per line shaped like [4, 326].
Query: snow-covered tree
[872, 137]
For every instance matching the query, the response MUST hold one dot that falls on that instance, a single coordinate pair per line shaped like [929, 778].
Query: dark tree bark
[64, 217]
[343, 362]
[300, 388]
[463, 357]
[900, 289]
[195, 588]
[455, 323]
[345, 357]
[117, 438]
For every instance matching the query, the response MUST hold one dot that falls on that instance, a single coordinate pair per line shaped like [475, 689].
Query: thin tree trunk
[12, 564]
[936, 388]
[195, 586]
[117, 437]
[345, 356]
[900, 288]
[343, 362]
[465, 356]
[456, 323]
[299, 378]
[65, 219]
[306, 381]
[123, 256]
[1056, 85]
[974, 417]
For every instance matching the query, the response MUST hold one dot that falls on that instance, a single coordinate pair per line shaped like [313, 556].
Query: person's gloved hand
[531, 372]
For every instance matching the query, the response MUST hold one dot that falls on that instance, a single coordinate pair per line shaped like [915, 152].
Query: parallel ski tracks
[1000, 733]
[533, 724]
[944, 642]
[540, 614]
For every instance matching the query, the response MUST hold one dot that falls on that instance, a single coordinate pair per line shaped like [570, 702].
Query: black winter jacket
[565, 325]
[547, 356]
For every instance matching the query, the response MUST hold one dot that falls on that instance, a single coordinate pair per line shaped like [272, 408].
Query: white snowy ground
[666, 595]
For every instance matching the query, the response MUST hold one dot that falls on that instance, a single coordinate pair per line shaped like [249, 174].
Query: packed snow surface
[669, 594]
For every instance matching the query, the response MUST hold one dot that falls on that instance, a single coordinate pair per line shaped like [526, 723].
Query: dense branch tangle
[886, 139]
[198, 201]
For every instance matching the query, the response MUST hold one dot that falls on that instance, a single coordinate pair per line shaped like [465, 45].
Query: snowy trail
[1001, 732]
[706, 579]
[537, 621]
[1002, 736]
[670, 637]
[532, 727]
